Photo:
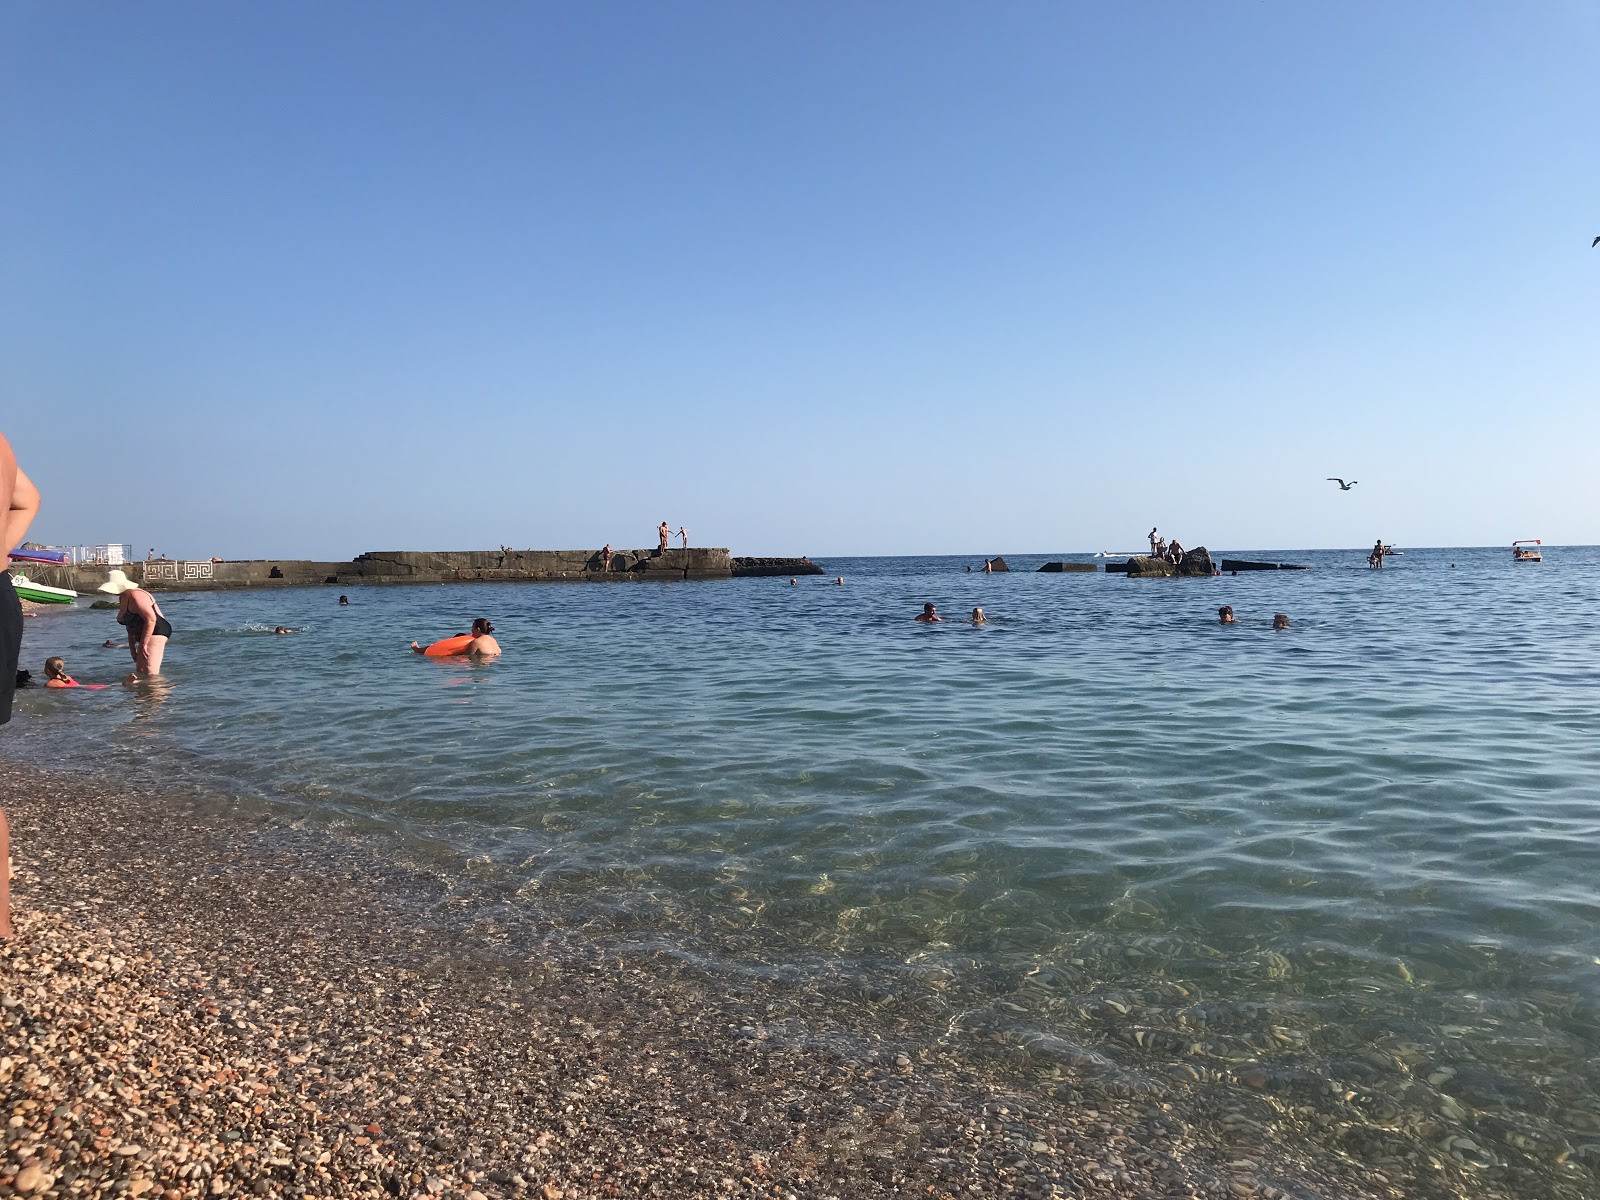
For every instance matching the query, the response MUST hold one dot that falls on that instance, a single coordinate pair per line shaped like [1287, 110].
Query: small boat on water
[1527, 550]
[1117, 553]
[41, 593]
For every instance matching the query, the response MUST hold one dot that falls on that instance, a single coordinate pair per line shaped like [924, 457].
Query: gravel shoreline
[204, 1002]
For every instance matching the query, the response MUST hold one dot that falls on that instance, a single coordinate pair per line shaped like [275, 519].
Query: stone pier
[422, 566]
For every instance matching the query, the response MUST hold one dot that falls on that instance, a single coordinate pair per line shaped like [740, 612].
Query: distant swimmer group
[1225, 616]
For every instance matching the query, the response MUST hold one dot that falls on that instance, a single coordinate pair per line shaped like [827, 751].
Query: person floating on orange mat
[479, 643]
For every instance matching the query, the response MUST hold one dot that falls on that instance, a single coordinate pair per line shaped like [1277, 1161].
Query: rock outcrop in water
[1196, 563]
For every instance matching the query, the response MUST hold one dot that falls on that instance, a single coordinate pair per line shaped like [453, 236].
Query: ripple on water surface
[1350, 865]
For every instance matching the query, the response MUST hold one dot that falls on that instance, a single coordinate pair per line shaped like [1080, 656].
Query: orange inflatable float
[450, 645]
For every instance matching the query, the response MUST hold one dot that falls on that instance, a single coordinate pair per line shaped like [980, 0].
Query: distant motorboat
[1117, 553]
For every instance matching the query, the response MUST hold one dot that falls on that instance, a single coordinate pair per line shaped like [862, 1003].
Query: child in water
[1225, 614]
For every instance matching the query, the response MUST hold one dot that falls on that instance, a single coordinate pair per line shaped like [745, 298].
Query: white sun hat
[117, 583]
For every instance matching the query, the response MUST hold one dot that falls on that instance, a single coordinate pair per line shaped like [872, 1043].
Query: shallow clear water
[1117, 835]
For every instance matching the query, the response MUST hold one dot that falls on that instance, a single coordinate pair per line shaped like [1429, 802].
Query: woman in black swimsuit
[148, 629]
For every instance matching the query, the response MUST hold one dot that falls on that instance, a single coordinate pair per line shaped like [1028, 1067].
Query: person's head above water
[481, 626]
[928, 614]
[344, 599]
[978, 618]
[1280, 620]
[55, 668]
[283, 629]
[1225, 614]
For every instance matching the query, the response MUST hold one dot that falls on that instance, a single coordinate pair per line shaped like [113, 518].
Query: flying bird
[1343, 486]
[1594, 243]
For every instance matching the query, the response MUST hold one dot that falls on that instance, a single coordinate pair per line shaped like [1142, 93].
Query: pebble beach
[197, 1004]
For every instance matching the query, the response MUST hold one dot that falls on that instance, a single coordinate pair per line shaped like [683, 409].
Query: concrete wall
[399, 566]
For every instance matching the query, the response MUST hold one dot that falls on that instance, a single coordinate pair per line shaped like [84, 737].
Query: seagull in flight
[1345, 487]
[1594, 243]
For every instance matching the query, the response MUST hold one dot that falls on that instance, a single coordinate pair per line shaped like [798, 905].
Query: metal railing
[110, 554]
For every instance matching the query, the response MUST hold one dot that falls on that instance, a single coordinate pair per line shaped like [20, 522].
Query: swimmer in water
[283, 629]
[108, 644]
[479, 644]
[1225, 615]
[839, 582]
[55, 674]
[1280, 620]
[978, 618]
[483, 644]
[344, 601]
[928, 615]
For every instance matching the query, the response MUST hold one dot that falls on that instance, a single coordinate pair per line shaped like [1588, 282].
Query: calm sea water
[1116, 835]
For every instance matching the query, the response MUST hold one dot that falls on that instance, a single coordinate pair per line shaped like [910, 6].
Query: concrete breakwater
[420, 566]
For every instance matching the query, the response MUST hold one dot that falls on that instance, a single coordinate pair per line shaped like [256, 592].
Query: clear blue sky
[311, 279]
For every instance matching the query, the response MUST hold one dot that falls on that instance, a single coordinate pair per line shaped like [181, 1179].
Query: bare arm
[20, 496]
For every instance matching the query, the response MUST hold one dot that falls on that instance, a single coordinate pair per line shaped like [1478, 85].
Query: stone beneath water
[1052, 568]
[1196, 563]
[104, 604]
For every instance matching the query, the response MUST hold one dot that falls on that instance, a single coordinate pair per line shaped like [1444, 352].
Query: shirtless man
[684, 534]
[929, 615]
[664, 531]
[19, 504]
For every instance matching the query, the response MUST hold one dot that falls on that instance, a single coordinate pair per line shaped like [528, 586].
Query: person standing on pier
[684, 534]
[1153, 553]
[19, 504]
[605, 558]
[664, 532]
